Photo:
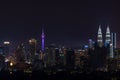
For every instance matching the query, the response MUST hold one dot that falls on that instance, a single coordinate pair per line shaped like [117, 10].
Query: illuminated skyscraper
[32, 49]
[113, 40]
[43, 40]
[108, 36]
[32, 43]
[112, 45]
[100, 39]
[6, 48]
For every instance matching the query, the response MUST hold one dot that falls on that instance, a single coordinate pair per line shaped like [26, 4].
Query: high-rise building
[100, 39]
[32, 48]
[70, 58]
[6, 48]
[112, 45]
[108, 37]
[50, 56]
[20, 54]
[62, 55]
[113, 40]
[32, 43]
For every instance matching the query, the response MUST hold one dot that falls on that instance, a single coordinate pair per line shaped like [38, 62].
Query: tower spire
[108, 37]
[100, 39]
[43, 39]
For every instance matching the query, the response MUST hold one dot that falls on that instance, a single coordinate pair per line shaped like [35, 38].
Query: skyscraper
[112, 45]
[100, 39]
[6, 48]
[50, 56]
[108, 37]
[32, 48]
[32, 43]
[70, 58]
[20, 53]
[113, 39]
[43, 40]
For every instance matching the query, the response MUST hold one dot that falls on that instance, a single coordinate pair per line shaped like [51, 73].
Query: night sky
[65, 23]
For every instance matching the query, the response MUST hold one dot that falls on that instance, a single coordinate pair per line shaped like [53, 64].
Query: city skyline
[56, 40]
[41, 42]
[66, 24]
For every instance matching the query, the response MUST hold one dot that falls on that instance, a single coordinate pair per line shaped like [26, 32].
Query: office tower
[112, 45]
[32, 49]
[111, 51]
[113, 40]
[50, 56]
[57, 56]
[108, 37]
[98, 57]
[100, 39]
[77, 58]
[20, 54]
[43, 40]
[64, 54]
[32, 44]
[70, 58]
[6, 48]
[61, 55]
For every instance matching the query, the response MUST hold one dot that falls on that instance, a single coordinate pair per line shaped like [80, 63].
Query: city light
[6, 42]
[69, 40]
[11, 64]
[111, 44]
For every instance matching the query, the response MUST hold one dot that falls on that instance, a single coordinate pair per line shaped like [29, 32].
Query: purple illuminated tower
[43, 40]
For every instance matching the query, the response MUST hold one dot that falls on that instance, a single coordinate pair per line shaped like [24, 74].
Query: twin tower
[110, 40]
